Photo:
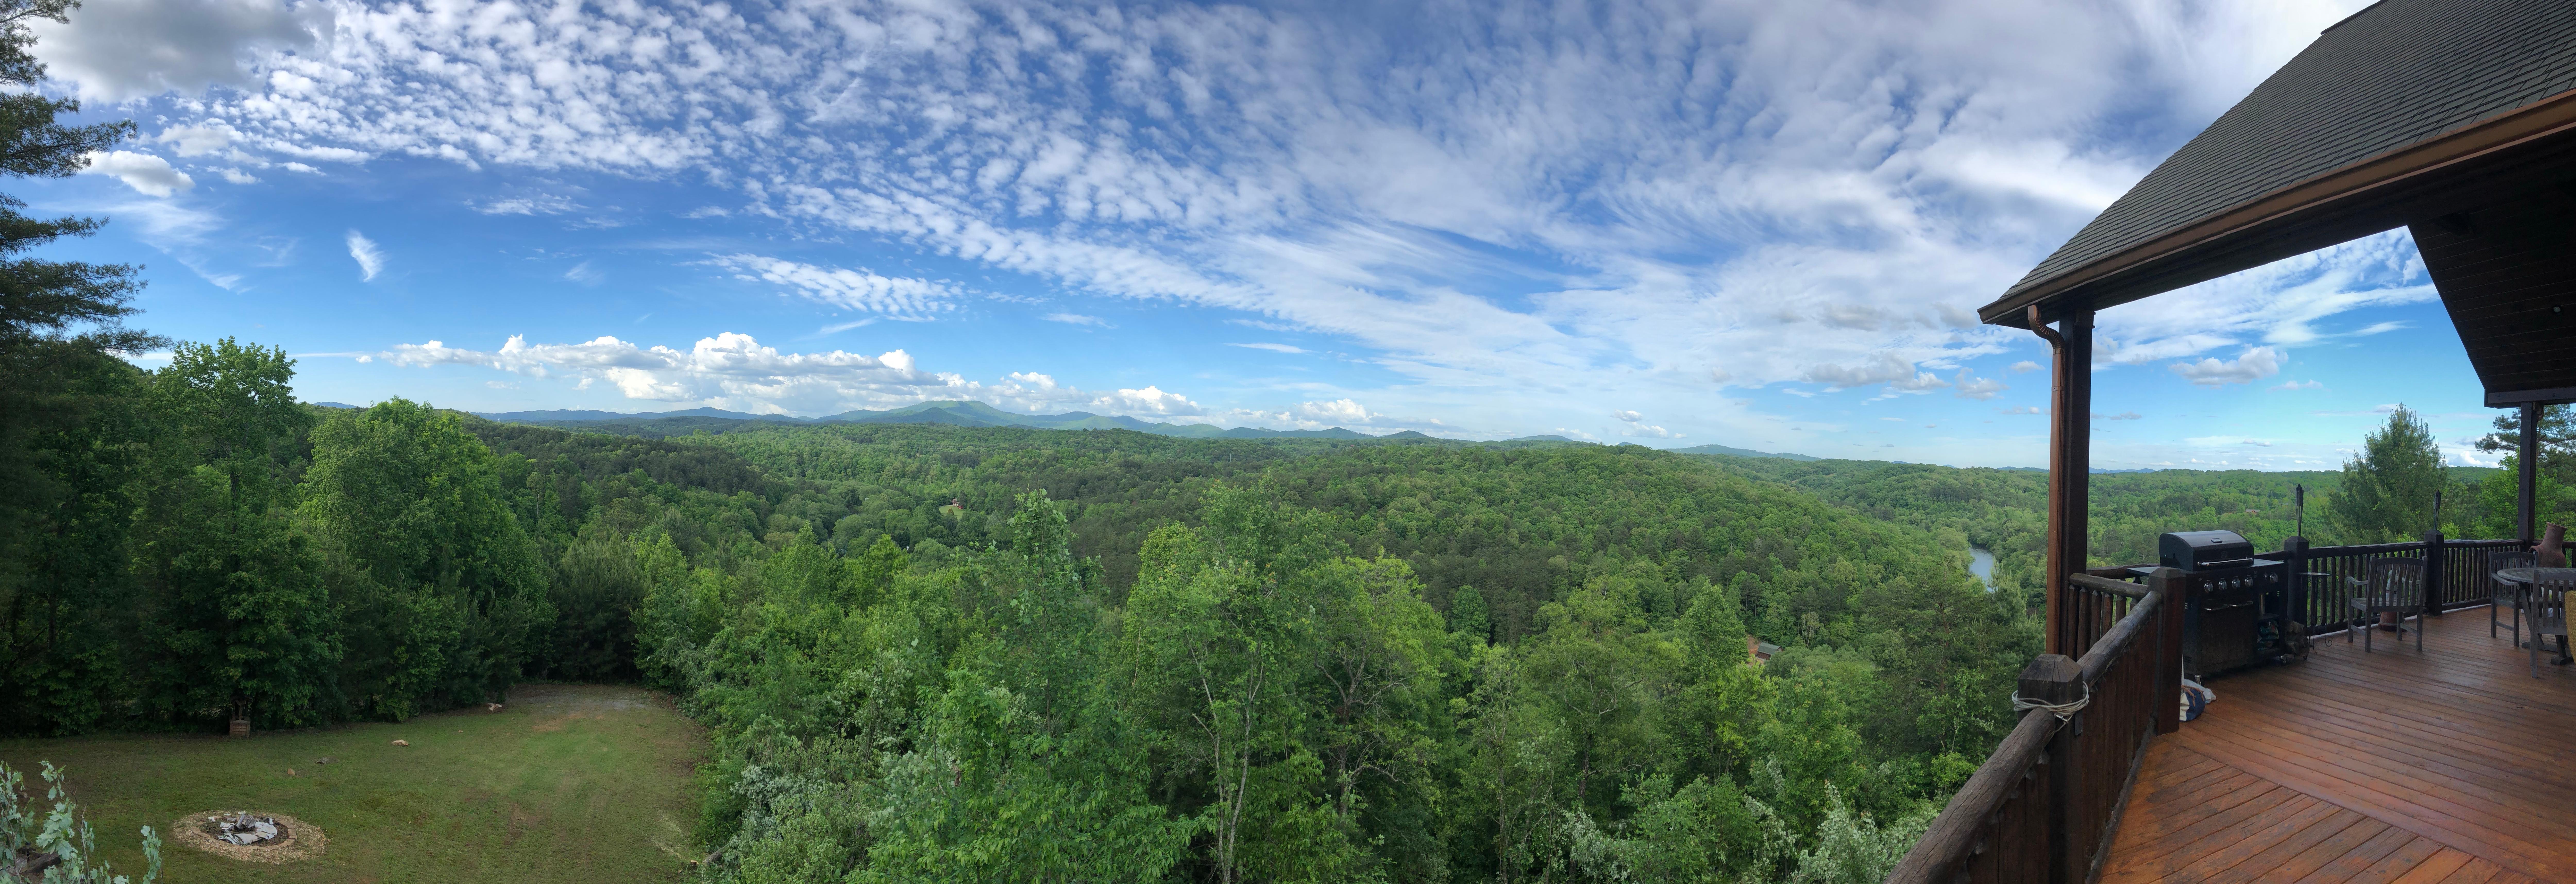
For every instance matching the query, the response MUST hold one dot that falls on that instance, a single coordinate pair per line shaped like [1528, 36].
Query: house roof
[2392, 116]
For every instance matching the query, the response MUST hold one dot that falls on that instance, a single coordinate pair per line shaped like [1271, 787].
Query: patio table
[2521, 579]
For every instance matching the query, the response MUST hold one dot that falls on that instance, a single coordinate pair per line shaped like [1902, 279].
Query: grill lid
[2203, 550]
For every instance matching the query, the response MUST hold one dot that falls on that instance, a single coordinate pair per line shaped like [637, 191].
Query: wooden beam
[2552, 396]
[2527, 472]
[2070, 449]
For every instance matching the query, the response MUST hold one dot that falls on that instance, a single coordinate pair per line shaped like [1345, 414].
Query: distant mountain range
[977, 414]
[951, 413]
[1740, 452]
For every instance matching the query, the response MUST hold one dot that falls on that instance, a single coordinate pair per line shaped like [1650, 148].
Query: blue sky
[1753, 224]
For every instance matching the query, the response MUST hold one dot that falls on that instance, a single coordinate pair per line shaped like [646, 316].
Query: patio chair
[2395, 586]
[2505, 595]
[2548, 609]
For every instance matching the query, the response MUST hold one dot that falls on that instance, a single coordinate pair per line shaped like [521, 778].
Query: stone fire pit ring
[250, 836]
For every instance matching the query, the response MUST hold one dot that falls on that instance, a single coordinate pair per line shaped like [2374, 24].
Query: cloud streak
[371, 260]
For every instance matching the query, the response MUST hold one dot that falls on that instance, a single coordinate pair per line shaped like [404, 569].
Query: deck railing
[2321, 577]
[2043, 806]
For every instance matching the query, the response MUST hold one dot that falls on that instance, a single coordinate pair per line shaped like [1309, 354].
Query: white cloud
[147, 174]
[1637, 426]
[371, 260]
[196, 141]
[1339, 411]
[2256, 363]
[1076, 319]
[1649, 184]
[116, 50]
[2122, 416]
[2302, 385]
[2024, 365]
[585, 274]
[735, 371]
[236, 176]
[1980, 389]
[541, 204]
[1274, 348]
[860, 290]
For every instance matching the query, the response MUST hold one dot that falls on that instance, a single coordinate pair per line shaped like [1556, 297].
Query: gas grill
[2237, 608]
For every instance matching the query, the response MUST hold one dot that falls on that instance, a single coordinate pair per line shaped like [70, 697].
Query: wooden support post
[2057, 678]
[2434, 552]
[2070, 461]
[2527, 474]
[2170, 586]
[2295, 595]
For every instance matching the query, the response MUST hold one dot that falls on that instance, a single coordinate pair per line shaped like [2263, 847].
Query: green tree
[2557, 440]
[69, 429]
[442, 595]
[1028, 769]
[2387, 490]
[237, 617]
[1221, 638]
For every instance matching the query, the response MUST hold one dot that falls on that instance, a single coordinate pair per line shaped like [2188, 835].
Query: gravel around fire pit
[296, 839]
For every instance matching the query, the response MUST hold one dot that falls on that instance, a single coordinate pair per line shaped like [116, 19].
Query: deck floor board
[2453, 765]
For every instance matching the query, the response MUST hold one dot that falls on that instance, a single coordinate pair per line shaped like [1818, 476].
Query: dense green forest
[929, 652]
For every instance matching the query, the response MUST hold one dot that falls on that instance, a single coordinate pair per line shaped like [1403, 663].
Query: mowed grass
[569, 783]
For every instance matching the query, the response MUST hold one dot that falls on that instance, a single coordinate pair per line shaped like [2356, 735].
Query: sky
[1757, 224]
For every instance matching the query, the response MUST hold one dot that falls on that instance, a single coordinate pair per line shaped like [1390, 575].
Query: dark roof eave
[2356, 200]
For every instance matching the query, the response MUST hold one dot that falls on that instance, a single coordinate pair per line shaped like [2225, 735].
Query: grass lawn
[567, 783]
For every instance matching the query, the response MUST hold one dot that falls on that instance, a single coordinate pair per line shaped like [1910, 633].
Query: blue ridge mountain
[1732, 451]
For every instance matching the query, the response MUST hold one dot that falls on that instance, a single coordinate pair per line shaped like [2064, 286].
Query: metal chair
[2506, 595]
[2548, 609]
[2396, 585]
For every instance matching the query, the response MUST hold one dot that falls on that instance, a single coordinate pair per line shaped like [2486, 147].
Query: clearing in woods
[566, 783]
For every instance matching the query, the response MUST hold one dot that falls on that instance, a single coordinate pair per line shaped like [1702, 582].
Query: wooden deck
[2452, 765]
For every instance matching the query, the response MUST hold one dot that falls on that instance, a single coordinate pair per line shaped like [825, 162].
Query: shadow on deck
[2451, 765]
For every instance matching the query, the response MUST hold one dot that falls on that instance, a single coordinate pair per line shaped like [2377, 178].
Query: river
[1981, 562]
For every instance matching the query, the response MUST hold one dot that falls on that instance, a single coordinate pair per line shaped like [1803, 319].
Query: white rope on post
[2063, 711]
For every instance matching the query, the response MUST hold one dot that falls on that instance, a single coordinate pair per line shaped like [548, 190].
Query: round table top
[2529, 575]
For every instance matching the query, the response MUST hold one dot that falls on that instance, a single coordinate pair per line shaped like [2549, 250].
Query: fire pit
[250, 836]
[244, 828]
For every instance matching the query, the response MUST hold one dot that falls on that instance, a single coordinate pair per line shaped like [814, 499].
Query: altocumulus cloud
[1693, 165]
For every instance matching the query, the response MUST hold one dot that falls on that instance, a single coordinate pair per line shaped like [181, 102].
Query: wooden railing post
[2056, 678]
[2295, 552]
[2169, 586]
[2433, 552]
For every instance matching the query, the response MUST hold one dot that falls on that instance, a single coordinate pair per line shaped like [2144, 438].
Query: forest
[935, 653]
[939, 653]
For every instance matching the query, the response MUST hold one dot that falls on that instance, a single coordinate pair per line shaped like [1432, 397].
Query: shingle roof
[2393, 75]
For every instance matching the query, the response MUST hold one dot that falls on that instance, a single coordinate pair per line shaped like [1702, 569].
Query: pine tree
[2387, 492]
[68, 427]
